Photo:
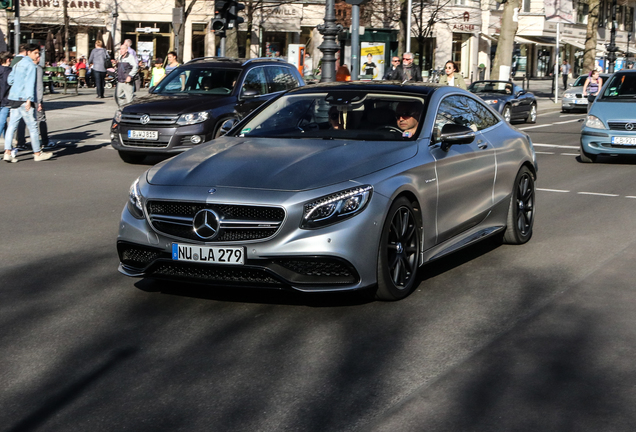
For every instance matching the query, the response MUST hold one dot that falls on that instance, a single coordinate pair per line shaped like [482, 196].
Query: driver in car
[407, 114]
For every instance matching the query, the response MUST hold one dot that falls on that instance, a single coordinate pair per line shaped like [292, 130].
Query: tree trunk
[67, 54]
[589, 55]
[402, 35]
[505, 45]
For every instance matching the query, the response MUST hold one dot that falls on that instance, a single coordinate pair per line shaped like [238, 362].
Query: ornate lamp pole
[612, 48]
[329, 30]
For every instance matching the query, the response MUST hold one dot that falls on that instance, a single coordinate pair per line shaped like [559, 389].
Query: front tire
[521, 210]
[398, 255]
[506, 113]
[532, 115]
[131, 158]
[586, 157]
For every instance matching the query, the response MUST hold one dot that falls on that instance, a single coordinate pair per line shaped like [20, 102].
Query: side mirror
[520, 93]
[453, 134]
[249, 94]
[226, 127]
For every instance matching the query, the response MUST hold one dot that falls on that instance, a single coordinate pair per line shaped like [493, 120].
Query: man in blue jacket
[22, 102]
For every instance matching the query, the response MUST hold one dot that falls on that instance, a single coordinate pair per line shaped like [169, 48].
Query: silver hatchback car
[334, 187]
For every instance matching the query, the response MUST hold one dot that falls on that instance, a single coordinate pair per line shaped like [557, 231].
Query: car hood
[175, 104]
[279, 164]
[572, 90]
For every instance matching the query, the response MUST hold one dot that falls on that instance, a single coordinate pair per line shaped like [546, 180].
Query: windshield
[198, 81]
[501, 87]
[580, 81]
[621, 86]
[353, 115]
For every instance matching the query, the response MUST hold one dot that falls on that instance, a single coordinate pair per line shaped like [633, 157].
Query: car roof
[423, 89]
[233, 62]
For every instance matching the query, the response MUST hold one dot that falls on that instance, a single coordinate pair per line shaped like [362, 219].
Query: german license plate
[624, 140]
[580, 102]
[208, 254]
[143, 135]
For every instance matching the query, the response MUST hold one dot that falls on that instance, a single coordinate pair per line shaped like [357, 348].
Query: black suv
[190, 104]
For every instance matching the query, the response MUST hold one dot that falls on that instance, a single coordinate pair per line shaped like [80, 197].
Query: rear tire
[399, 250]
[131, 158]
[521, 210]
[587, 157]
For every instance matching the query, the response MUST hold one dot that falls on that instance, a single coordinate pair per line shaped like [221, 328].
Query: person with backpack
[100, 61]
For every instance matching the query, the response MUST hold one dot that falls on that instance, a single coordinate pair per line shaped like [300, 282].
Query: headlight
[594, 122]
[335, 207]
[135, 206]
[193, 118]
[493, 102]
[117, 117]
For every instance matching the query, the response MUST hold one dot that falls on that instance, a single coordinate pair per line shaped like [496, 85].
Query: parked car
[610, 125]
[334, 187]
[190, 104]
[573, 97]
[512, 101]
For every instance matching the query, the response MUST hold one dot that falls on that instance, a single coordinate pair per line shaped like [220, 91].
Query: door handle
[482, 145]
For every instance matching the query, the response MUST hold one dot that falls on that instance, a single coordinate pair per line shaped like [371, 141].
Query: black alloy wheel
[521, 210]
[398, 256]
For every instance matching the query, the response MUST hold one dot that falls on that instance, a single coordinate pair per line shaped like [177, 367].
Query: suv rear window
[198, 81]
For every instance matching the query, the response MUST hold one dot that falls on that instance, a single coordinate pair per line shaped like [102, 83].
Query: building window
[526, 6]
[582, 11]
[629, 20]
[619, 17]
[602, 15]
[459, 2]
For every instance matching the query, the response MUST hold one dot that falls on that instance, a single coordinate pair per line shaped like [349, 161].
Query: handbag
[590, 98]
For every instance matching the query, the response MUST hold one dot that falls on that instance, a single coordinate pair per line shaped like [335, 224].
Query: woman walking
[98, 58]
[451, 78]
[592, 86]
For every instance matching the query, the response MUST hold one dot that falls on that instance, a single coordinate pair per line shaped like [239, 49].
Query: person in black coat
[410, 71]
[5, 70]
[395, 71]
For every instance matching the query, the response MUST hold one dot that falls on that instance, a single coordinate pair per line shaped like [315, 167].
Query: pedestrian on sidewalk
[22, 98]
[99, 59]
[126, 71]
[565, 70]
[157, 73]
[395, 71]
[410, 72]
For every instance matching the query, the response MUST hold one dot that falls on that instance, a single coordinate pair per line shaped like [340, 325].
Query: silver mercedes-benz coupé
[334, 187]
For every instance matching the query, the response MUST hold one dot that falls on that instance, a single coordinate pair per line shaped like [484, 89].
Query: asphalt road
[537, 337]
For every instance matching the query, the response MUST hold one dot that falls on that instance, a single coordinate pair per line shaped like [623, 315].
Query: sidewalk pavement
[543, 91]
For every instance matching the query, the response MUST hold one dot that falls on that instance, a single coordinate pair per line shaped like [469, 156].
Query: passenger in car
[335, 120]
[407, 115]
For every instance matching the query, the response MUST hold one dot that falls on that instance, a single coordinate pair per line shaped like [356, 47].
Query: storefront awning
[572, 42]
[492, 38]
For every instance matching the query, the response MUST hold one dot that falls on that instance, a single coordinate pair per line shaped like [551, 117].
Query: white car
[573, 98]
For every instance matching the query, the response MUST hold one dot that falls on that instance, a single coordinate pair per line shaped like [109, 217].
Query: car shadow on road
[71, 149]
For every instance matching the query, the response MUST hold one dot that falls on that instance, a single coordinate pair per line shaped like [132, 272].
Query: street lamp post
[612, 48]
[329, 30]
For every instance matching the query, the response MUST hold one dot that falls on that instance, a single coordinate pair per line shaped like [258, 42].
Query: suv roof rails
[224, 59]
[265, 58]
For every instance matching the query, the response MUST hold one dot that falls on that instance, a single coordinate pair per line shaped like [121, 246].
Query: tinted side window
[255, 80]
[455, 110]
[280, 79]
[483, 117]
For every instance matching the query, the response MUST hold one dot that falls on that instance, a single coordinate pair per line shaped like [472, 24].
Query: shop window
[459, 2]
[526, 6]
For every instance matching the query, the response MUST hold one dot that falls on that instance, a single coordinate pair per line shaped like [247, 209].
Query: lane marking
[567, 121]
[553, 190]
[597, 194]
[569, 154]
[555, 146]
[549, 124]
[540, 152]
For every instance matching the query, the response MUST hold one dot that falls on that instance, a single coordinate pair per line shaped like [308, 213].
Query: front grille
[616, 125]
[579, 96]
[134, 118]
[163, 141]
[223, 275]
[237, 222]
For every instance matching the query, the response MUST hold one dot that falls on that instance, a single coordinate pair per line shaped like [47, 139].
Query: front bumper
[171, 139]
[599, 142]
[574, 103]
[339, 257]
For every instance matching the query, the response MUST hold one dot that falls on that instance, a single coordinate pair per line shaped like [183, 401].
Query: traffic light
[233, 18]
[6, 4]
[219, 23]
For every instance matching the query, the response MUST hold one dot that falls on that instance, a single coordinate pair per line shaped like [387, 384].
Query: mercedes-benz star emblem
[212, 191]
[145, 119]
[206, 224]
[629, 126]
